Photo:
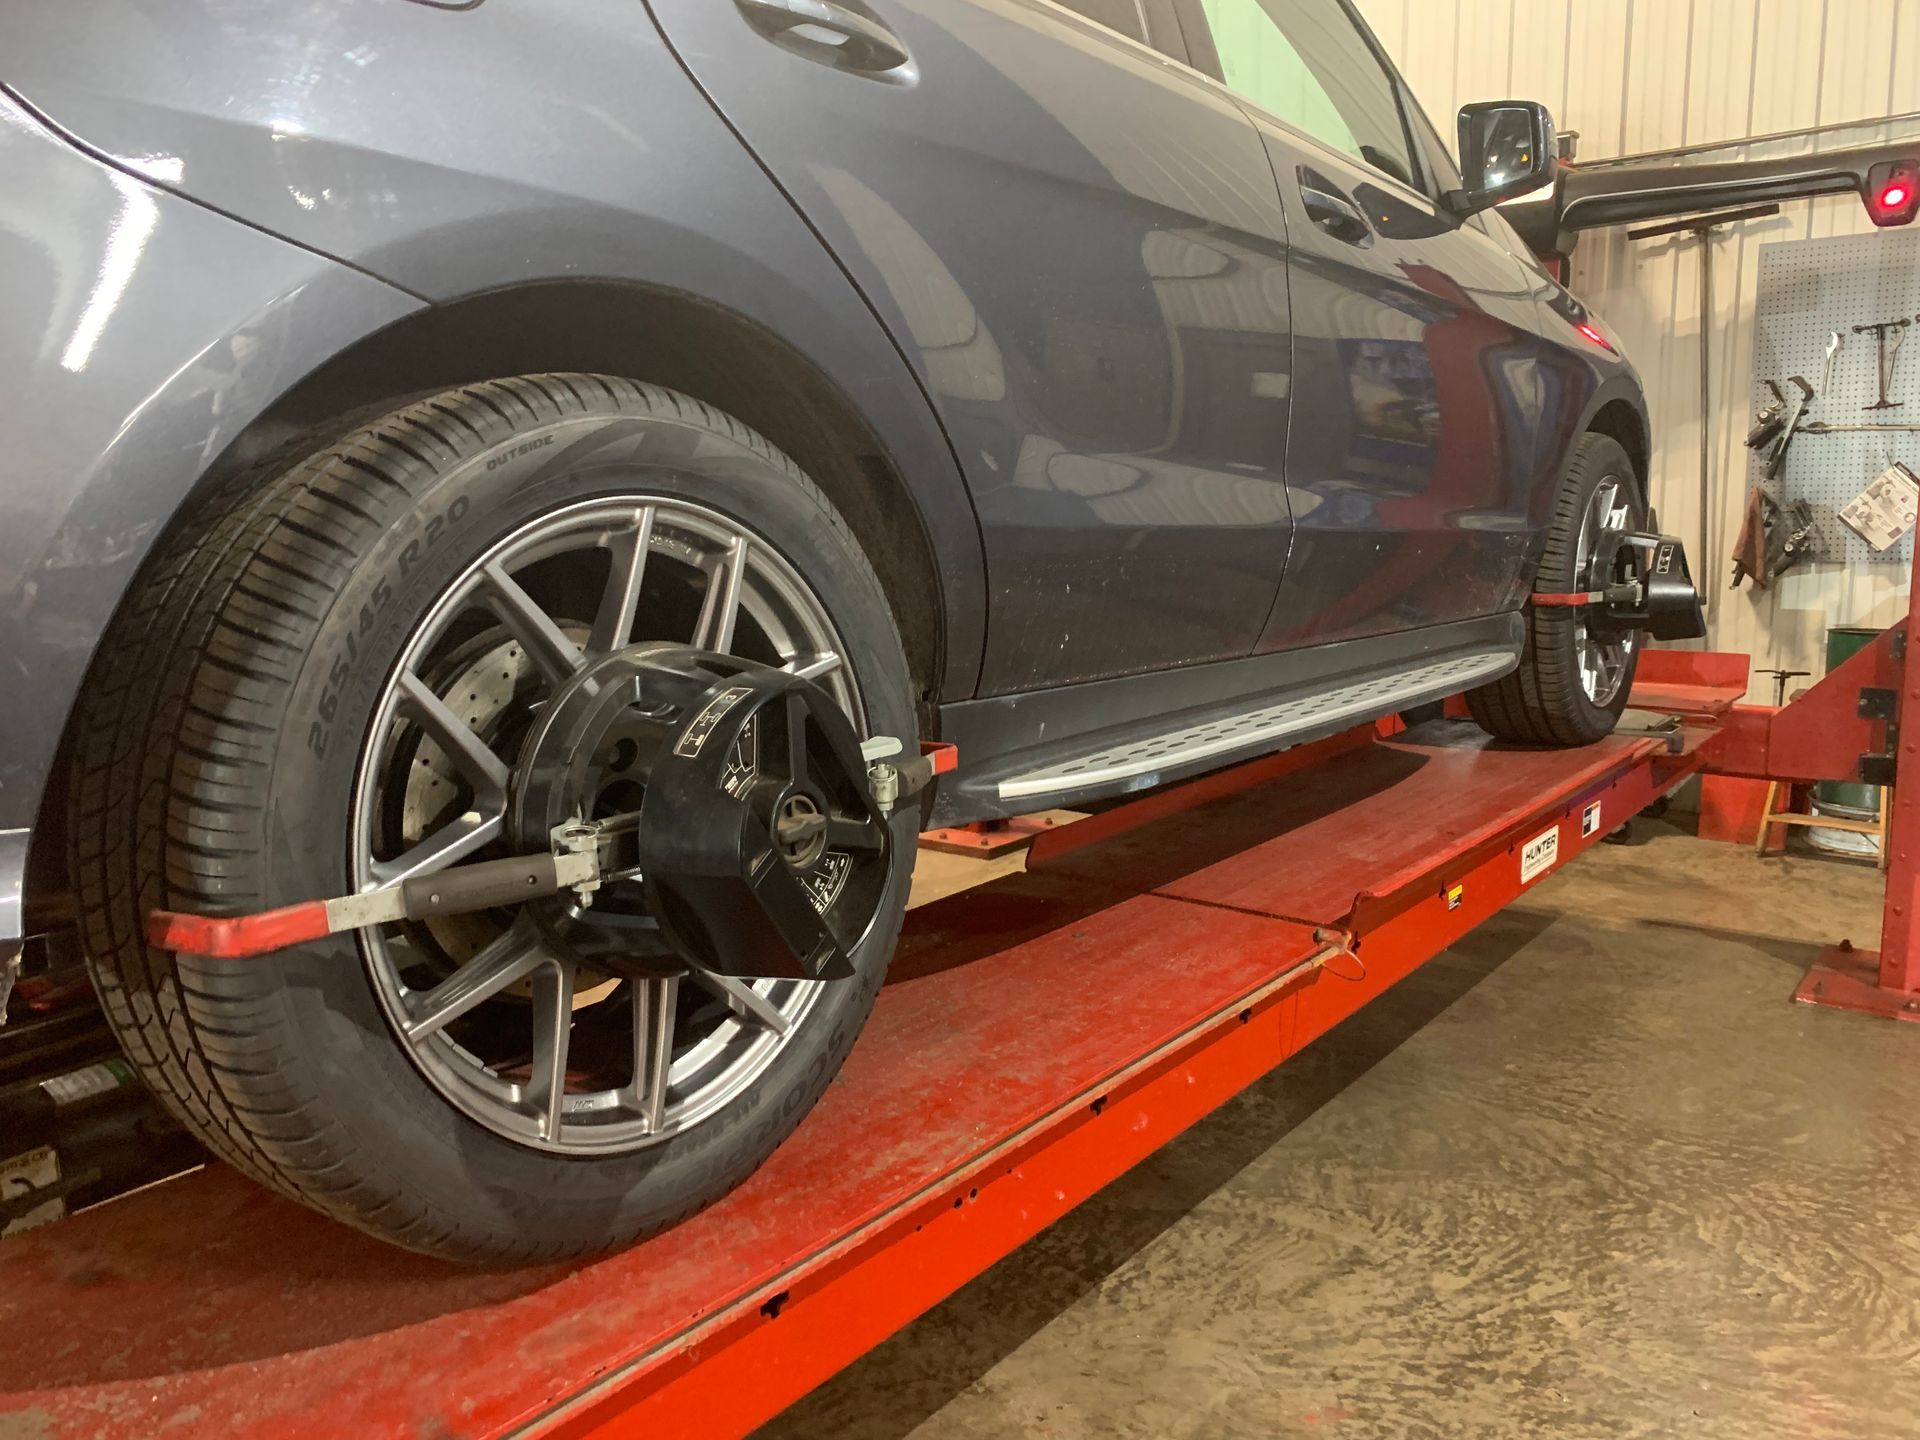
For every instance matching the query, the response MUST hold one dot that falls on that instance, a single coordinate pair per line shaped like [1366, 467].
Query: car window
[1129, 17]
[1439, 155]
[1306, 62]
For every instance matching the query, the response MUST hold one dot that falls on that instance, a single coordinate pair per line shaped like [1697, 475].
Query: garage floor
[1589, 1174]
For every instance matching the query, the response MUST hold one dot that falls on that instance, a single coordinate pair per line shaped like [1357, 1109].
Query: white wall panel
[1904, 92]
[1483, 56]
[1637, 75]
[1539, 55]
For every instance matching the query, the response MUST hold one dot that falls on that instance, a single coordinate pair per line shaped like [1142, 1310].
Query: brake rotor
[484, 692]
[758, 850]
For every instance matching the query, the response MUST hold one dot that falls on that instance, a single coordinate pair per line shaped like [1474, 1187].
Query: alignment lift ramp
[1036, 1037]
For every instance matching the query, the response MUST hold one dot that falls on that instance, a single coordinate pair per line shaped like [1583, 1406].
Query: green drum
[1847, 797]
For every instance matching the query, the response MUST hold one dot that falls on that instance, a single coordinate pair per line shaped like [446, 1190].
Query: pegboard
[1808, 290]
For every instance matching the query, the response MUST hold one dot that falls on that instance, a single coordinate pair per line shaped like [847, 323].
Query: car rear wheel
[328, 685]
[1573, 677]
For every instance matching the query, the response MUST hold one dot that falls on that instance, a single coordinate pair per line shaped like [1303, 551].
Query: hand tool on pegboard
[1782, 432]
[1773, 539]
[1887, 358]
[1768, 419]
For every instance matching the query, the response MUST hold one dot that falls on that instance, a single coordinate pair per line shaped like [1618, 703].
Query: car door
[1415, 352]
[1078, 244]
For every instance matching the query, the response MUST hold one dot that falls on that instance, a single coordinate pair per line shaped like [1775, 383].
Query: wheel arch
[649, 334]
[1622, 419]
[656, 336]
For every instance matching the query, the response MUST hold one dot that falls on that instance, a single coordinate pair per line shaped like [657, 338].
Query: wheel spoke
[722, 605]
[552, 1036]
[507, 961]
[850, 834]
[463, 746]
[654, 1003]
[814, 666]
[545, 642]
[745, 1001]
[613, 627]
[453, 841]
[491, 1022]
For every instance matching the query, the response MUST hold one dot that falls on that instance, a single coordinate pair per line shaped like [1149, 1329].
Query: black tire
[1543, 701]
[208, 779]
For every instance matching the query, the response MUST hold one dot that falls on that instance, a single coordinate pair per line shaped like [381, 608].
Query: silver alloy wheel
[490, 1015]
[1603, 659]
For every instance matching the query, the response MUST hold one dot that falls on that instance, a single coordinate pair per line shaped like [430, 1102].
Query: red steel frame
[1822, 735]
[987, 838]
[1180, 946]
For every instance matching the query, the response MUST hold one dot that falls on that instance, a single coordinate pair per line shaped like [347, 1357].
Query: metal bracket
[1669, 730]
[457, 890]
[890, 782]
[1878, 702]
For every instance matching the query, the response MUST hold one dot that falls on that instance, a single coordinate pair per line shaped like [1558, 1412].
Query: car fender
[1587, 383]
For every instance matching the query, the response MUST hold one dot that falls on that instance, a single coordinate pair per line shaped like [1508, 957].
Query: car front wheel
[334, 681]
[1574, 674]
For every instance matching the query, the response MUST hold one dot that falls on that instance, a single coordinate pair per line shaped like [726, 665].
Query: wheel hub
[497, 1015]
[800, 830]
[757, 850]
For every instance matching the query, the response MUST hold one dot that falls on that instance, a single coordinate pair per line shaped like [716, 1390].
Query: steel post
[1886, 983]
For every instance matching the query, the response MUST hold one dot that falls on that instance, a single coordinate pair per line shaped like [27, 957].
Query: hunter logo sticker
[1538, 855]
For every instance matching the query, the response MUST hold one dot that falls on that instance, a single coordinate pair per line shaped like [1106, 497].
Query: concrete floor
[1588, 1174]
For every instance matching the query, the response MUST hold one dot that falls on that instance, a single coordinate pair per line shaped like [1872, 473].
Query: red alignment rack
[1036, 1037]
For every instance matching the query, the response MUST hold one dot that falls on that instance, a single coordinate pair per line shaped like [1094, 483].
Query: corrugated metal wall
[1637, 75]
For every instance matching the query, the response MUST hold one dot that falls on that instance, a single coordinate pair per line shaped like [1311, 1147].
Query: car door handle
[1335, 214]
[830, 29]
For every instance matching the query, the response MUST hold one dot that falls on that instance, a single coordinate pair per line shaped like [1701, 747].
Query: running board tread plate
[1266, 726]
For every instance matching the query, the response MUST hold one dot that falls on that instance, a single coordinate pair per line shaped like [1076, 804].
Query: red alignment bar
[1034, 1039]
[1899, 964]
[238, 937]
[1577, 597]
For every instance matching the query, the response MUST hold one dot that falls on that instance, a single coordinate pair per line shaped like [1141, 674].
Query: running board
[1073, 744]
[1271, 727]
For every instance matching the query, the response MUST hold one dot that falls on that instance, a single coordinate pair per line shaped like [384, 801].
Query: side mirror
[1507, 147]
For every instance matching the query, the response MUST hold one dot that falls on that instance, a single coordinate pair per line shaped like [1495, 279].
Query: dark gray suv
[610, 437]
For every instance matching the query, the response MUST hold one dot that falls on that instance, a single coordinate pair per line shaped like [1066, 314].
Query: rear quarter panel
[139, 334]
[455, 149]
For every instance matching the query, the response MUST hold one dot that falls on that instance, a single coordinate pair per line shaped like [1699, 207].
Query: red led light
[1892, 192]
[1595, 336]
